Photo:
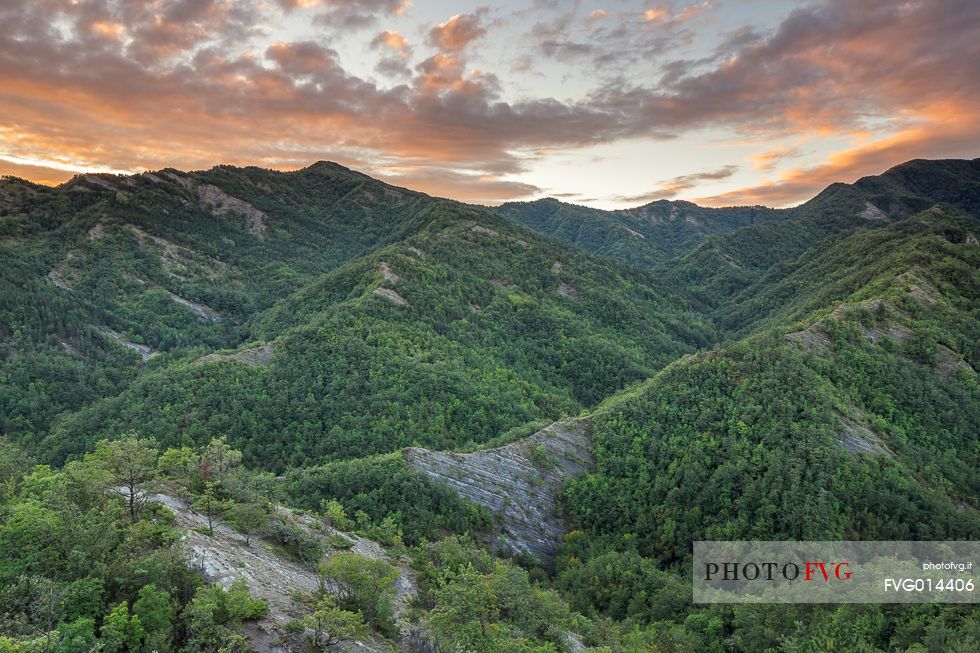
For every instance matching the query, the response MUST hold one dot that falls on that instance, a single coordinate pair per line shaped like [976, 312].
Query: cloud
[566, 50]
[441, 71]
[456, 33]
[615, 44]
[37, 173]
[768, 160]
[561, 38]
[192, 83]
[663, 13]
[391, 40]
[393, 66]
[950, 133]
[523, 63]
[671, 188]
[349, 14]
[108, 29]
[304, 58]
[479, 189]
[397, 53]
[691, 11]
[833, 67]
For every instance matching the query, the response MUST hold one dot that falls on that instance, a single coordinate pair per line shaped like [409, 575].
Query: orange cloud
[393, 40]
[304, 58]
[663, 14]
[948, 130]
[441, 71]
[691, 11]
[673, 187]
[109, 29]
[37, 174]
[456, 33]
[193, 84]
[767, 161]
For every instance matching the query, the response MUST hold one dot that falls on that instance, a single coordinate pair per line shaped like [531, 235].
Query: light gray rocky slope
[223, 557]
[519, 482]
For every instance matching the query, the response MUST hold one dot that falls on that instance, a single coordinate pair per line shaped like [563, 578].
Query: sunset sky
[608, 104]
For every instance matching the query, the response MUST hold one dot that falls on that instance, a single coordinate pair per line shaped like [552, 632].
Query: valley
[509, 423]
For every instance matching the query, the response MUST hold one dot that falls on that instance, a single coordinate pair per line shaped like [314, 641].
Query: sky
[607, 104]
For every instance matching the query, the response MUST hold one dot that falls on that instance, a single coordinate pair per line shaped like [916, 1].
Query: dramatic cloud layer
[671, 188]
[482, 103]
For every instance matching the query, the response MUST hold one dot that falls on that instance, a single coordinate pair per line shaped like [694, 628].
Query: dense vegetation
[745, 441]
[98, 262]
[719, 268]
[384, 487]
[644, 236]
[746, 373]
[87, 567]
[477, 339]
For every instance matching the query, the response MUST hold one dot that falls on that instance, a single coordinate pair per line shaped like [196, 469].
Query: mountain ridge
[408, 366]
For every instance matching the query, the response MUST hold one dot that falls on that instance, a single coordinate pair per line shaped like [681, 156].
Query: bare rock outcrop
[145, 352]
[96, 232]
[920, 288]
[220, 203]
[894, 332]
[202, 311]
[519, 482]
[949, 362]
[100, 182]
[872, 212]
[567, 291]
[387, 274]
[485, 230]
[253, 356]
[856, 438]
[58, 280]
[390, 295]
[812, 337]
[223, 557]
[178, 261]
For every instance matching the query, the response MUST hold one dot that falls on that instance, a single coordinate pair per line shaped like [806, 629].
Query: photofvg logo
[835, 572]
[810, 570]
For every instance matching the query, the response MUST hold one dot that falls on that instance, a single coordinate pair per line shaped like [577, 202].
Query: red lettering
[810, 567]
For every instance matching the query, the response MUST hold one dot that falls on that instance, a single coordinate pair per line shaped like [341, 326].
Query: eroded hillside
[809, 374]
[519, 483]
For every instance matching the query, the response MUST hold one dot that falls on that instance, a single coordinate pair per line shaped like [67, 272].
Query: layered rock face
[519, 482]
[222, 557]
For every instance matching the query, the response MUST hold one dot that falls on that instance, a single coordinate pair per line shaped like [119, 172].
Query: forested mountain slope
[643, 236]
[715, 253]
[857, 421]
[912, 263]
[724, 265]
[106, 274]
[463, 327]
[762, 436]
[808, 373]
